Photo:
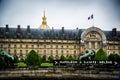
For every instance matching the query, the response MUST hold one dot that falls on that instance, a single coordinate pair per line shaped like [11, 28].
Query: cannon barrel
[3, 53]
[91, 53]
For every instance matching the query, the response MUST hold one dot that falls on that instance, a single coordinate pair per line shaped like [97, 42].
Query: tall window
[44, 52]
[67, 53]
[93, 45]
[26, 52]
[87, 45]
[38, 51]
[15, 46]
[56, 46]
[75, 52]
[20, 52]
[62, 52]
[32, 46]
[1, 45]
[15, 52]
[56, 51]
[9, 51]
[62, 46]
[38, 45]
[26, 45]
[67, 46]
[51, 46]
[9, 45]
[51, 52]
[20, 45]
[44, 46]
[74, 46]
[98, 45]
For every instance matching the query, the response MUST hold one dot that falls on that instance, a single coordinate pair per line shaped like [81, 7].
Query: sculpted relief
[94, 36]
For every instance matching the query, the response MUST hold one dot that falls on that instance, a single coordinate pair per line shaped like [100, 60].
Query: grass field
[47, 65]
[21, 64]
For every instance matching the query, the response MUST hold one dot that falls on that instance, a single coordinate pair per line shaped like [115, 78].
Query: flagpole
[93, 20]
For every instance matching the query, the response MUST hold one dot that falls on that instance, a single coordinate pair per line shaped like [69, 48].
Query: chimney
[52, 28]
[28, 28]
[18, 30]
[62, 29]
[7, 29]
[114, 32]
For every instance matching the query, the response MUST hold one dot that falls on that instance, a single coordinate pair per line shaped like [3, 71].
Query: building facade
[56, 42]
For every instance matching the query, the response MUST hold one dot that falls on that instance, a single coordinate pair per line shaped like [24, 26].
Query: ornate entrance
[93, 39]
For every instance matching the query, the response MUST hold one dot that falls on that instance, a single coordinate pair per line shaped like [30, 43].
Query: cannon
[90, 53]
[3, 53]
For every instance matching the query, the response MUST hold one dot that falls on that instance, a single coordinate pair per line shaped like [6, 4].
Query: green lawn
[47, 65]
[21, 64]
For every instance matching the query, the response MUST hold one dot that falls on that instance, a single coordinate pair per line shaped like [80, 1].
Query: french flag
[90, 17]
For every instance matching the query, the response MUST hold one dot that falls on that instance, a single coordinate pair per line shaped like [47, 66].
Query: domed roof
[44, 23]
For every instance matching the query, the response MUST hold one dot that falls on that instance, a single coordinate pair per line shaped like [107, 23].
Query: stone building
[55, 42]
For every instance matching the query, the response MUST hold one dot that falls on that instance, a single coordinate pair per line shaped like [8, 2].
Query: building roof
[69, 34]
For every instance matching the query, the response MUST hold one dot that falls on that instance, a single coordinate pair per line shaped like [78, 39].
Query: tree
[2, 62]
[43, 59]
[100, 55]
[62, 58]
[15, 59]
[111, 57]
[70, 58]
[114, 57]
[50, 58]
[32, 59]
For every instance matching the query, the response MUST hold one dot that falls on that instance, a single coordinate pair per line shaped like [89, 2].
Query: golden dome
[44, 23]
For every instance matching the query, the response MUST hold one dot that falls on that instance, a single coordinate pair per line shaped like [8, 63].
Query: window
[26, 45]
[62, 51]
[62, 46]
[114, 47]
[38, 40]
[56, 46]
[51, 41]
[26, 52]
[15, 52]
[20, 45]
[87, 45]
[38, 45]
[51, 52]
[67, 52]
[51, 46]
[44, 46]
[119, 47]
[44, 40]
[44, 52]
[9, 51]
[74, 46]
[9, 45]
[1, 45]
[32, 46]
[67, 46]
[20, 52]
[38, 51]
[15, 46]
[93, 45]
[32, 40]
[74, 52]
[56, 51]
[98, 45]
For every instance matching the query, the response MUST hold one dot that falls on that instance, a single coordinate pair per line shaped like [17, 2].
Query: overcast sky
[61, 13]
